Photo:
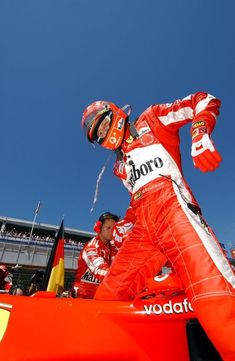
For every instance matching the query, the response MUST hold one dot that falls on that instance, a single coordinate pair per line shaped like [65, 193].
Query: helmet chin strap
[133, 129]
[129, 107]
[133, 132]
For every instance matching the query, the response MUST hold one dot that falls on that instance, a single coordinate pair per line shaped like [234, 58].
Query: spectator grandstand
[31, 254]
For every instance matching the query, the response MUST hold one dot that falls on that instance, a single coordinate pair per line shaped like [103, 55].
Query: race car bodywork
[47, 328]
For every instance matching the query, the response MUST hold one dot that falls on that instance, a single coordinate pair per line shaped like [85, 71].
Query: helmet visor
[100, 127]
[103, 127]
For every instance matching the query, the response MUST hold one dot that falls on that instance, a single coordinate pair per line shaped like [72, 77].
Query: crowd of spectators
[36, 238]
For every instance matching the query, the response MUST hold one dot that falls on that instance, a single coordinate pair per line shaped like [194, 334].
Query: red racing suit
[168, 219]
[93, 263]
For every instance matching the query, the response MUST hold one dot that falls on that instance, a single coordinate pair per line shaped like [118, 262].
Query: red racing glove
[119, 230]
[205, 156]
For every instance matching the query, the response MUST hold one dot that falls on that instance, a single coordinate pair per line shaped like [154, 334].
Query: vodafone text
[169, 308]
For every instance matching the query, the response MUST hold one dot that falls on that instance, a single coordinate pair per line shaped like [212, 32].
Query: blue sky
[59, 56]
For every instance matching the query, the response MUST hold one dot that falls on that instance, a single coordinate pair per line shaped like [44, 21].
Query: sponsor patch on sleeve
[144, 128]
[200, 123]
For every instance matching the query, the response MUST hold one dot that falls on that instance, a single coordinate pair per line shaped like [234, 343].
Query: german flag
[54, 275]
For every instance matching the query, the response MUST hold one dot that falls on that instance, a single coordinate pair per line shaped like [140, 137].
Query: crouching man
[95, 258]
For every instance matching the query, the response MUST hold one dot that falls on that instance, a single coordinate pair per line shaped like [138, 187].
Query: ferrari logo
[4, 318]
[130, 139]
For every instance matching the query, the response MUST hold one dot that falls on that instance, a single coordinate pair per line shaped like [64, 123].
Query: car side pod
[200, 346]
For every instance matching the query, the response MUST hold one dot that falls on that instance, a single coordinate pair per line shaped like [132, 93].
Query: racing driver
[95, 258]
[167, 221]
